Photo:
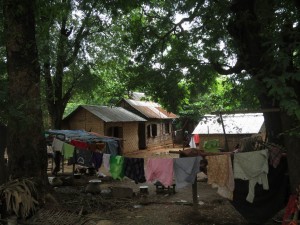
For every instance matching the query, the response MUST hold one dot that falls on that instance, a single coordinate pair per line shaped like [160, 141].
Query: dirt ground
[72, 205]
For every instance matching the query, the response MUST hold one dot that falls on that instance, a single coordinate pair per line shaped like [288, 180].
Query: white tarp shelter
[245, 123]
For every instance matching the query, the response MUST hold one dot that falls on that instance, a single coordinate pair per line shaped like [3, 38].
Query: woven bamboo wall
[130, 135]
[85, 120]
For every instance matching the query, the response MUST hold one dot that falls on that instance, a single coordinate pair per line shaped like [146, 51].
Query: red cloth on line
[79, 144]
[196, 138]
[290, 209]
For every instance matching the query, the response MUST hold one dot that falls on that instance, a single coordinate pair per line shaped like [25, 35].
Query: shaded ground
[174, 209]
[78, 207]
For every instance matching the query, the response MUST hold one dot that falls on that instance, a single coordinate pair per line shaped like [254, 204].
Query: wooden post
[225, 137]
[73, 168]
[183, 139]
[74, 160]
[195, 195]
[62, 163]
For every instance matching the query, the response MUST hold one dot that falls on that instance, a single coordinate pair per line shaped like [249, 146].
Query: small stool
[144, 190]
[160, 188]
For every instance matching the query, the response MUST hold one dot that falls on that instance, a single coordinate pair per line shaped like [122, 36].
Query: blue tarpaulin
[112, 144]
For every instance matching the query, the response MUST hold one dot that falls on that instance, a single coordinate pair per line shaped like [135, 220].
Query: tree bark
[292, 144]
[27, 155]
[3, 167]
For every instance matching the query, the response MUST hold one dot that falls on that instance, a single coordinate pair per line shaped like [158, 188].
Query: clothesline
[220, 169]
[223, 170]
[161, 169]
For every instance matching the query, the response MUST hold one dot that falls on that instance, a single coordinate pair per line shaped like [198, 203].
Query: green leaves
[170, 51]
[284, 88]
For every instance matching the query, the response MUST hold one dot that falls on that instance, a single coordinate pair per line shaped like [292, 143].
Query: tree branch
[183, 20]
[49, 84]
[81, 34]
[237, 68]
[68, 94]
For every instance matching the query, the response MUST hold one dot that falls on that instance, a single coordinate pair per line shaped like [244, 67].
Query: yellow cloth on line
[220, 174]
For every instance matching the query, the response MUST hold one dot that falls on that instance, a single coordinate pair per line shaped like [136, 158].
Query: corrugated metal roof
[248, 123]
[137, 95]
[112, 114]
[151, 109]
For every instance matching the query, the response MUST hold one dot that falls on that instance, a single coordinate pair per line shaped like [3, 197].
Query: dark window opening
[154, 130]
[148, 131]
[167, 128]
[115, 132]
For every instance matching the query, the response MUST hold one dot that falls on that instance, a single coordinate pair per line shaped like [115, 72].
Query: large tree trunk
[246, 29]
[56, 115]
[292, 144]
[27, 156]
[272, 119]
[3, 167]
[278, 126]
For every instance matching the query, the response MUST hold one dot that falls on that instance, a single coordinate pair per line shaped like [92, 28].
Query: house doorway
[142, 136]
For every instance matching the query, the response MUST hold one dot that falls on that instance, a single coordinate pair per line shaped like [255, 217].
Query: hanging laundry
[160, 169]
[106, 159]
[134, 169]
[100, 146]
[92, 146]
[68, 150]
[79, 144]
[250, 143]
[275, 155]
[290, 209]
[192, 143]
[97, 158]
[116, 167]
[267, 203]
[185, 170]
[252, 166]
[57, 160]
[220, 174]
[49, 150]
[196, 138]
[83, 157]
[57, 145]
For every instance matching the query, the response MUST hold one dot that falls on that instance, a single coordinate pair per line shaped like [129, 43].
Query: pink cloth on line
[160, 169]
